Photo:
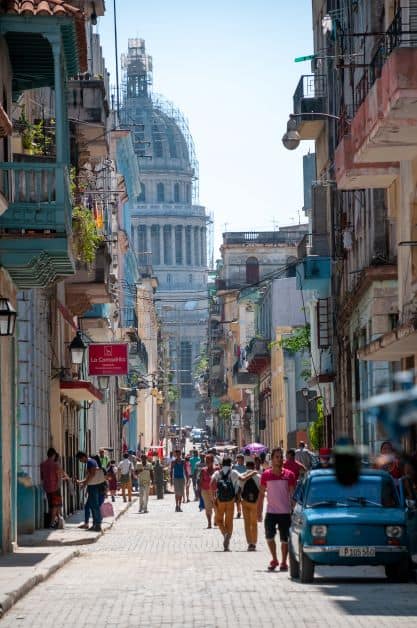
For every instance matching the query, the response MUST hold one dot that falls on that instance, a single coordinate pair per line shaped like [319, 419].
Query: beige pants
[224, 516]
[250, 517]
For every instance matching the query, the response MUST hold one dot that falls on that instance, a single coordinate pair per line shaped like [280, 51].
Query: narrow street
[166, 569]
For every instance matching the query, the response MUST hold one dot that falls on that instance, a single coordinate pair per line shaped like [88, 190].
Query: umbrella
[255, 448]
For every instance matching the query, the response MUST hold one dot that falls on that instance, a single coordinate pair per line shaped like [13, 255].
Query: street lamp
[132, 398]
[291, 138]
[7, 317]
[77, 348]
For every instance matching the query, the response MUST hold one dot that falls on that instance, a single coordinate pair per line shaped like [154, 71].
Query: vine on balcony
[85, 233]
[299, 340]
[317, 428]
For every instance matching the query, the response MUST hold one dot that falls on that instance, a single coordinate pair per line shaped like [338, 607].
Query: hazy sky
[229, 66]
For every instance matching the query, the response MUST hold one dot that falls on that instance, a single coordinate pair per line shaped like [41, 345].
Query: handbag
[106, 509]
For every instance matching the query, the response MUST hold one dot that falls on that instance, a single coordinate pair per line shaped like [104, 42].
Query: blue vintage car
[362, 524]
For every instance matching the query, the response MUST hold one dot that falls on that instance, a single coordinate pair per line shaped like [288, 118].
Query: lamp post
[77, 348]
[103, 382]
[291, 138]
[7, 317]
[305, 392]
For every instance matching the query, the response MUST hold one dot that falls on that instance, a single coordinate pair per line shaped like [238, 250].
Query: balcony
[261, 237]
[313, 273]
[243, 379]
[310, 97]
[96, 323]
[89, 285]
[41, 51]
[356, 176]
[258, 355]
[88, 110]
[36, 228]
[384, 128]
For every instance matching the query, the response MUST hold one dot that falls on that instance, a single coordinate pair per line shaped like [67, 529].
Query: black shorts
[283, 522]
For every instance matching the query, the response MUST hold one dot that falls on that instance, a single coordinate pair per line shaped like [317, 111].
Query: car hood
[364, 515]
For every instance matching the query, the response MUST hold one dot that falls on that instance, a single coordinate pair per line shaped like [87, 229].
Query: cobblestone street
[166, 569]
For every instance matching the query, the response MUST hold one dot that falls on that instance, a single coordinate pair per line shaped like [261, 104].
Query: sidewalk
[40, 554]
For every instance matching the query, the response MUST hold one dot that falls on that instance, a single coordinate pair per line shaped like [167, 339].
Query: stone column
[161, 245]
[203, 247]
[197, 246]
[148, 239]
[173, 244]
[184, 251]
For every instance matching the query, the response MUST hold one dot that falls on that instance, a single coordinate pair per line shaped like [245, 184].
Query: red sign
[107, 359]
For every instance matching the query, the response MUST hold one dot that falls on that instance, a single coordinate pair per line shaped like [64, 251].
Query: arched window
[176, 192]
[160, 193]
[252, 270]
[142, 195]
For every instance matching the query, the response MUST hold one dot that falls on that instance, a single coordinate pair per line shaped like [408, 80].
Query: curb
[9, 599]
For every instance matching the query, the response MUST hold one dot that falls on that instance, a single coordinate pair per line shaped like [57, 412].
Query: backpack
[250, 491]
[225, 488]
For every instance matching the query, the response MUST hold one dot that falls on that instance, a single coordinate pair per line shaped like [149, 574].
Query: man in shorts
[278, 485]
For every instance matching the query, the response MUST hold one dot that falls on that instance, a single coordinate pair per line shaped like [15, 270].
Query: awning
[392, 346]
[80, 390]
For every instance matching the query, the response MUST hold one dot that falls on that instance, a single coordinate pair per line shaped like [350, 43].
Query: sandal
[273, 565]
[283, 567]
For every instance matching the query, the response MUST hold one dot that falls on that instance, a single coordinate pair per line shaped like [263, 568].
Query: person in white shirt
[125, 470]
[144, 470]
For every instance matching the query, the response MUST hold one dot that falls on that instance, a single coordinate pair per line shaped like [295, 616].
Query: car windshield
[368, 491]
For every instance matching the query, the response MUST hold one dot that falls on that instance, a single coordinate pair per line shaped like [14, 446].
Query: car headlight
[319, 530]
[394, 532]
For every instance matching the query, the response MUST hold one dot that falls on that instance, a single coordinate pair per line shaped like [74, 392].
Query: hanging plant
[86, 237]
[225, 410]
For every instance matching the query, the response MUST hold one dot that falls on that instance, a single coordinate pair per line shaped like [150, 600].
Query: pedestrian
[178, 474]
[144, 472]
[222, 485]
[194, 460]
[125, 470]
[134, 460]
[188, 480]
[293, 465]
[278, 485]
[51, 476]
[388, 461]
[112, 479]
[250, 483]
[158, 475]
[104, 459]
[240, 468]
[303, 455]
[93, 481]
[204, 481]
[325, 454]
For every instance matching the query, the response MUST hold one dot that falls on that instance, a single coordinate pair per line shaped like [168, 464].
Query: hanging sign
[108, 358]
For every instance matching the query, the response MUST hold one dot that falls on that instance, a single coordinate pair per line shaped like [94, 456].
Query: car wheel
[294, 566]
[398, 572]
[306, 568]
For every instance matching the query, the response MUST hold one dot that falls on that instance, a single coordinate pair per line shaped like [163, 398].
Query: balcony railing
[310, 94]
[399, 34]
[38, 197]
[262, 237]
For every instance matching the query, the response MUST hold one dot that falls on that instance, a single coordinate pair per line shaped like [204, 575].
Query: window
[157, 141]
[188, 257]
[142, 195]
[155, 245]
[252, 270]
[167, 244]
[169, 279]
[160, 193]
[190, 279]
[188, 192]
[176, 192]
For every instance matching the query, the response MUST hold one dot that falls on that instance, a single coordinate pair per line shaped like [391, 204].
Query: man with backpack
[250, 482]
[223, 484]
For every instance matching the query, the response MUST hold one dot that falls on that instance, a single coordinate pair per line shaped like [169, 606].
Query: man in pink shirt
[278, 485]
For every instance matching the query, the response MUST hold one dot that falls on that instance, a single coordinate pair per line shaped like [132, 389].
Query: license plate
[357, 552]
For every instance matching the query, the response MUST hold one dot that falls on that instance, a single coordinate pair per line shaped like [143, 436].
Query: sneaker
[283, 567]
[176, 509]
[145, 512]
[83, 526]
[273, 565]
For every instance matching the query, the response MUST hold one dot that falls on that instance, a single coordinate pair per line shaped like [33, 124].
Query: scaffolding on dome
[136, 83]
[168, 108]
